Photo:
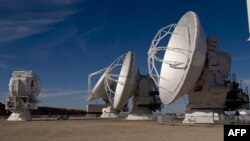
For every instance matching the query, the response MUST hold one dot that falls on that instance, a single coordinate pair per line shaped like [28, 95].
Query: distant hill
[45, 111]
[55, 111]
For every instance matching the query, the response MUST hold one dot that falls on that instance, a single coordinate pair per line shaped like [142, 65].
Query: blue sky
[65, 40]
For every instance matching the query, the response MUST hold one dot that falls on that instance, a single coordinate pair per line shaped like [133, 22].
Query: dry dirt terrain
[105, 130]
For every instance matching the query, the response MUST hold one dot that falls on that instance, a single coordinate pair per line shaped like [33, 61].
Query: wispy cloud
[46, 45]
[4, 66]
[57, 2]
[26, 18]
[240, 58]
[60, 97]
[5, 61]
[8, 67]
[83, 40]
[58, 92]
[17, 4]
[8, 57]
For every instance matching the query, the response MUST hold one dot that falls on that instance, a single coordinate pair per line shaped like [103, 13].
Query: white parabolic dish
[186, 51]
[126, 82]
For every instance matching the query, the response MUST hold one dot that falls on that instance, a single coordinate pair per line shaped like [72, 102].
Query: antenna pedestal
[145, 101]
[207, 99]
[20, 106]
[20, 115]
[140, 113]
[109, 112]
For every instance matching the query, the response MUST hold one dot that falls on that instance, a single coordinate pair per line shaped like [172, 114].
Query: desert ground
[106, 130]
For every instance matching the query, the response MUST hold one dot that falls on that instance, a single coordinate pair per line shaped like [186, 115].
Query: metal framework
[165, 33]
[90, 76]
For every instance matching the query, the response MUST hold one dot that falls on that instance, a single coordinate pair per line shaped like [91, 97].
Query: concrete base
[109, 115]
[109, 112]
[139, 117]
[140, 113]
[203, 116]
[20, 116]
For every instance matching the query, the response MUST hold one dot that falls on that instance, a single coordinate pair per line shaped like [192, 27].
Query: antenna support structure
[24, 87]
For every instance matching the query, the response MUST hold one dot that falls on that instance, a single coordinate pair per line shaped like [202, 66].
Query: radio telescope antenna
[120, 81]
[113, 85]
[190, 63]
[24, 88]
[129, 83]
